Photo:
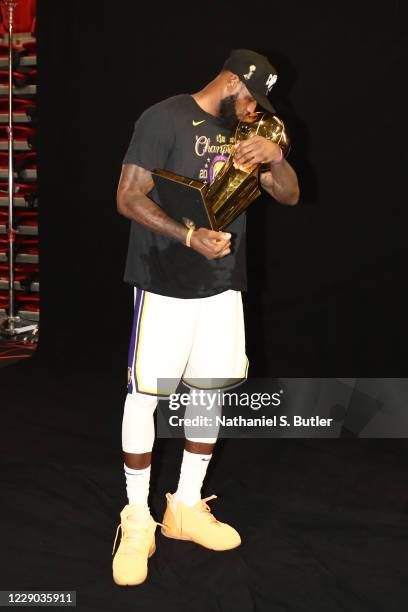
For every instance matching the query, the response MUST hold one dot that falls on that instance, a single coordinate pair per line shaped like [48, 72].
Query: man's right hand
[210, 243]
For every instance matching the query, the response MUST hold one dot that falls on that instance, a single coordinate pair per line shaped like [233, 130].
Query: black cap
[256, 72]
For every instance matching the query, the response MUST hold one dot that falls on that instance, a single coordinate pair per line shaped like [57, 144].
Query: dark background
[324, 523]
[326, 278]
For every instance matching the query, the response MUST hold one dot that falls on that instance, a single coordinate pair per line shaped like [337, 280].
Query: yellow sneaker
[137, 544]
[196, 523]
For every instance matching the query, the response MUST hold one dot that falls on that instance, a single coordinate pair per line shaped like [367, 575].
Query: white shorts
[200, 340]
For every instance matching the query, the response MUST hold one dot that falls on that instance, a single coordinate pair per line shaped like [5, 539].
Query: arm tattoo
[132, 202]
[284, 188]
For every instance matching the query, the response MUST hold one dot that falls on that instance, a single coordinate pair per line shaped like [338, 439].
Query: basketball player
[188, 316]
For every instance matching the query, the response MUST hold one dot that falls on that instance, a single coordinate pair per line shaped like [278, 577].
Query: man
[188, 317]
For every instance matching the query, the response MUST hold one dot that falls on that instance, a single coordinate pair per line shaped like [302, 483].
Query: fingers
[216, 246]
[216, 240]
[224, 252]
[245, 161]
[221, 248]
[251, 154]
[214, 235]
[254, 143]
[243, 145]
[243, 149]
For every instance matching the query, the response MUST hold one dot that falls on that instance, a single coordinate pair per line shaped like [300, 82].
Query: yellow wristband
[189, 234]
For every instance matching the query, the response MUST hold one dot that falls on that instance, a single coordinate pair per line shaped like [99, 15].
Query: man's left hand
[256, 150]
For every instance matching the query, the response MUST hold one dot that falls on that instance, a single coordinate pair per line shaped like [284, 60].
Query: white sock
[137, 486]
[192, 473]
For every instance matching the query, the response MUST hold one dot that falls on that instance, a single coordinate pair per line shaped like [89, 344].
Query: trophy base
[196, 204]
[182, 198]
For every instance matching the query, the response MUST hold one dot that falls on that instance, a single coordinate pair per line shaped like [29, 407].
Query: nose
[251, 107]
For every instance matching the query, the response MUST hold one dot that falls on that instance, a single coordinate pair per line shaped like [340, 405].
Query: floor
[324, 523]
[12, 351]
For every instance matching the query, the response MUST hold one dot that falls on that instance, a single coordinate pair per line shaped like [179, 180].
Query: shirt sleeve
[152, 140]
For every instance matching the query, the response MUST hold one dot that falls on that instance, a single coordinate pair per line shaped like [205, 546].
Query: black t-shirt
[176, 134]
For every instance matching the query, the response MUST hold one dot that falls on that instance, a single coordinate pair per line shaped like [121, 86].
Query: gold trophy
[234, 188]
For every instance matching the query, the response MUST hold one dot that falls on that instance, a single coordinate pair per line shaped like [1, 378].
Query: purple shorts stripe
[142, 300]
[139, 297]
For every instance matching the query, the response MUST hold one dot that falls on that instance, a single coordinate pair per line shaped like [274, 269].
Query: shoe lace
[131, 536]
[205, 508]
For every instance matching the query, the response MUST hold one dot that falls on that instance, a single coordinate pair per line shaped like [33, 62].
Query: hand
[256, 150]
[211, 244]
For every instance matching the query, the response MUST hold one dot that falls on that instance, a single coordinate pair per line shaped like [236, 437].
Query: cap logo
[270, 81]
[252, 69]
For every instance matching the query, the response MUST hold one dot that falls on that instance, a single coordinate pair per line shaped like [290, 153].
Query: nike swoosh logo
[198, 122]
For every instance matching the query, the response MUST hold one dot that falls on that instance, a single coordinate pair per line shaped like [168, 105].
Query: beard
[228, 113]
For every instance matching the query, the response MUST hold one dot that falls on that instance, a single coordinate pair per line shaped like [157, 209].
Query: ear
[232, 82]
